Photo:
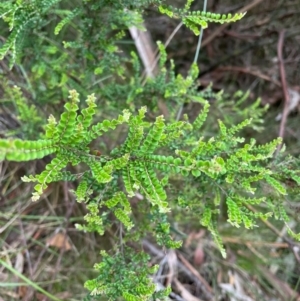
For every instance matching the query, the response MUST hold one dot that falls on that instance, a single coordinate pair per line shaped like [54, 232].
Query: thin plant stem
[200, 36]
[196, 56]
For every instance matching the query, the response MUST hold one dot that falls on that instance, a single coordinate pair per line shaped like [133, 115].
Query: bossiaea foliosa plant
[152, 157]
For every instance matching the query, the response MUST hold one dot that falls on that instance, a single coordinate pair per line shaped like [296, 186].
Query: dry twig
[213, 35]
[195, 273]
[294, 247]
[251, 71]
[206, 293]
[284, 87]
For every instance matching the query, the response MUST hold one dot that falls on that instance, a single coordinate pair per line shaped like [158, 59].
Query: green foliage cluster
[194, 20]
[158, 152]
[146, 163]
[125, 275]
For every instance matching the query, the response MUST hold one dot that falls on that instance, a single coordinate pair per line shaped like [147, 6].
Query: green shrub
[167, 161]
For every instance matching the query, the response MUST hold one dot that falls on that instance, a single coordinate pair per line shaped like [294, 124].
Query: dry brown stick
[242, 36]
[168, 41]
[249, 71]
[282, 288]
[294, 247]
[284, 87]
[195, 272]
[145, 48]
[152, 249]
[213, 35]
[186, 295]
[237, 240]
